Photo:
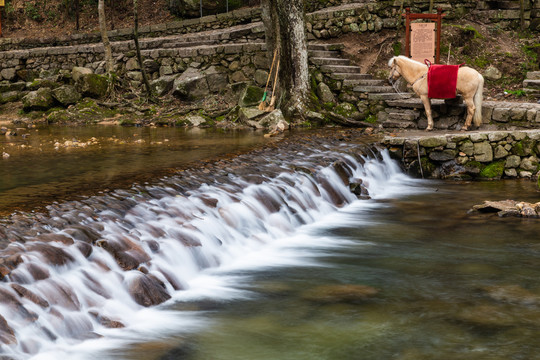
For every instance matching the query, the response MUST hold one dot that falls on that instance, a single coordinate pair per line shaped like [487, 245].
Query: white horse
[470, 84]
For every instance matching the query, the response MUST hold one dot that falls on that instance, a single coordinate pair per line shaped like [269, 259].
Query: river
[269, 255]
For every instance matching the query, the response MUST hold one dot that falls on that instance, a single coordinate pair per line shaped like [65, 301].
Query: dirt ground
[31, 18]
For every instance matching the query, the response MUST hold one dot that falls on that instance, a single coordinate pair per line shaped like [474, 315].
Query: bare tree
[285, 31]
[138, 48]
[109, 66]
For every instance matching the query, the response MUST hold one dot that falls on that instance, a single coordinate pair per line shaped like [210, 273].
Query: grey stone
[497, 136]
[525, 174]
[135, 75]
[151, 65]
[191, 85]
[40, 99]
[238, 76]
[10, 96]
[249, 116]
[195, 120]
[251, 96]
[93, 85]
[442, 156]
[275, 122]
[518, 114]
[8, 74]
[132, 64]
[478, 137]
[529, 164]
[512, 161]
[216, 78]
[162, 85]
[261, 76]
[431, 142]
[165, 70]
[66, 95]
[519, 135]
[483, 152]
[511, 172]
[324, 93]
[500, 152]
[501, 115]
[77, 72]
[492, 73]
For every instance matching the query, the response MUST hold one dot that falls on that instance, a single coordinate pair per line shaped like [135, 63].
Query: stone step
[407, 103]
[533, 75]
[324, 54]
[348, 69]
[146, 45]
[326, 47]
[351, 83]
[397, 124]
[531, 84]
[330, 61]
[373, 89]
[403, 115]
[388, 96]
[350, 76]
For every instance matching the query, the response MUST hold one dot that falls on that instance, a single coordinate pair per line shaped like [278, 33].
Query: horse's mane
[402, 57]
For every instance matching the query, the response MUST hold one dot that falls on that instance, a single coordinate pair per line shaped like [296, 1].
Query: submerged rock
[340, 293]
[508, 208]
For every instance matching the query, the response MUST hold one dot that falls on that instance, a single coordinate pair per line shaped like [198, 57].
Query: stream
[266, 253]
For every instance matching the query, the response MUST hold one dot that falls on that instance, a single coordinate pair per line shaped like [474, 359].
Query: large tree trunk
[271, 26]
[294, 72]
[109, 68]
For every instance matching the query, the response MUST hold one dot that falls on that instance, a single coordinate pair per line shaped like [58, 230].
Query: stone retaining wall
[447, 115]
[478, 155]
[506, 11]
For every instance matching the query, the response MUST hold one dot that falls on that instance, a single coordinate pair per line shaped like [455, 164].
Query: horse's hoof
[429, 129]
[464, 129]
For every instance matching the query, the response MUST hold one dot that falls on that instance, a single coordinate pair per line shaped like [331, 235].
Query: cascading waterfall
[95, 270]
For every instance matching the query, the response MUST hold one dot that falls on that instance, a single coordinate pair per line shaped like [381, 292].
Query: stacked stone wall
[479, 155]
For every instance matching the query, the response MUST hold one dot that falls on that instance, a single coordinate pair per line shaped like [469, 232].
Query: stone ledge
[475, 155]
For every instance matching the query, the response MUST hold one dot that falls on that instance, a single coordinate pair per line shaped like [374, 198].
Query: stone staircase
[531, 85]
[329, 58]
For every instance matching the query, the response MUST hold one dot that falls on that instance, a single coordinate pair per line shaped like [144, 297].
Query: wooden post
[408, 32]
[439, 30]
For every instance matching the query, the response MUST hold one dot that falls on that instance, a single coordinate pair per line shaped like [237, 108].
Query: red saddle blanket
[442, 81]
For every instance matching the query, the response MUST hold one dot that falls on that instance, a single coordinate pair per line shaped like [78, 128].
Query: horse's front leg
[427, 108]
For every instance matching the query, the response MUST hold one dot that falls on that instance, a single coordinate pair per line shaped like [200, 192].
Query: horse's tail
[478, 98]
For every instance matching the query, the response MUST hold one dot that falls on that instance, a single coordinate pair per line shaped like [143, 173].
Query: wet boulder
[147, 290]
[51, 254]
[7, 335]
[25, 293]
[508, 208]
[40, 99]
[128, 254]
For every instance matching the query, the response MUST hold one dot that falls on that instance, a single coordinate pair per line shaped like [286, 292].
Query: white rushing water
[230, 226]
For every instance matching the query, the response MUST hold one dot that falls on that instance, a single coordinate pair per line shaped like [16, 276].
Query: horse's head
[395, 71]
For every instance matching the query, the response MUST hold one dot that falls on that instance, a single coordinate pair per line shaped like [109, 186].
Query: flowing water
[270, 255]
